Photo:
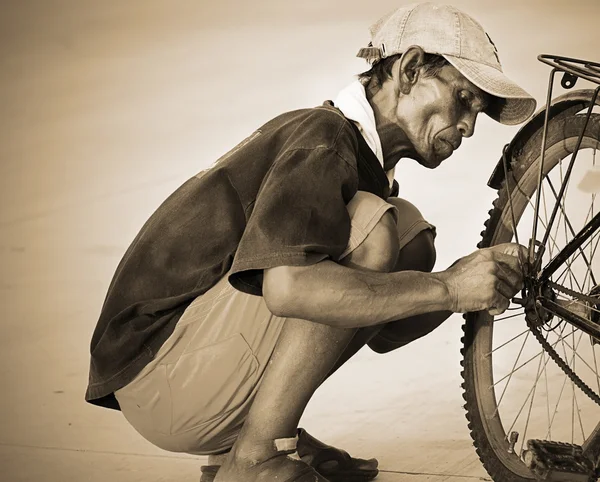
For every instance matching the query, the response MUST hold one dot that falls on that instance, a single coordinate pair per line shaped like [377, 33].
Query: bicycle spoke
[572, 366]
[556, 406]
[553, 240]
[572, 277]
[573, 391]
[510, 374]
[559, 395]
[551, 237]
[575, 354]
[507, 342]
[587, 243]
[595, 247]
[565, 184]
[581, 249]
[526, 399]
[570, 226]
[521, 366]
[574, 301]
[509, 316]
[547, 397]
[531, 404]
[579, 416]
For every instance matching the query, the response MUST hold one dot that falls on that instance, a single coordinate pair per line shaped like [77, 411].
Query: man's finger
[513, 249]
[506, 290]
[511, 277]
[510, 261]
[499, 307]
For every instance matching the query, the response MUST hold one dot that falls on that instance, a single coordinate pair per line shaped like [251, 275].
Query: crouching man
[259, 277]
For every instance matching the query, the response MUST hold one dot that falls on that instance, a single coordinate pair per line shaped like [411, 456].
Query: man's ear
[407, 69]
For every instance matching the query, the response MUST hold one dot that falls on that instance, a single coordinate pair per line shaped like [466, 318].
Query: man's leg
[305, 354]
[416, 253]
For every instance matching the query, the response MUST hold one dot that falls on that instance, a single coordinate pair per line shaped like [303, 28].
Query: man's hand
[486, 279]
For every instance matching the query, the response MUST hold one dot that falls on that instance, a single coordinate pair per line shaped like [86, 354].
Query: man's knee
[380, 248]
[416, 237]
[418, 254]
[388, 235]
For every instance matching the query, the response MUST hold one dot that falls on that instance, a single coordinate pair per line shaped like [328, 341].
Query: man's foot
[332, 463]
[280, 463]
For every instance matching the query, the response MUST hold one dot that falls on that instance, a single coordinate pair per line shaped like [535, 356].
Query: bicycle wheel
[511, 384]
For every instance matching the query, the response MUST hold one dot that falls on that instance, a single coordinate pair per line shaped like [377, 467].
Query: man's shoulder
[323, 126]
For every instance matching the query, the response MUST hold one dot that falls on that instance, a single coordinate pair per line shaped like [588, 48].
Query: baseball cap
[461, 40]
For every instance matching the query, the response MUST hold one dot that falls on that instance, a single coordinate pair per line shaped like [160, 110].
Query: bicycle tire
[484, 423]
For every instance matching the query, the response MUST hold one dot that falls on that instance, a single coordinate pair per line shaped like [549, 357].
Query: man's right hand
[486, 279]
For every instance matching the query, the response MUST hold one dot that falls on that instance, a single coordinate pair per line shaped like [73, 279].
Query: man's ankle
[256, 451]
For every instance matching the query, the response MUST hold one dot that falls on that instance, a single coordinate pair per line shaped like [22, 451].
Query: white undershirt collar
[353, 103]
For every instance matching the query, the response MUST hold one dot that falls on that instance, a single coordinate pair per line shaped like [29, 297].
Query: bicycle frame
[572, 70]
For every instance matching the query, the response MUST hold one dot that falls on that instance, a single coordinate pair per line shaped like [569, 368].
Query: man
[262, 275]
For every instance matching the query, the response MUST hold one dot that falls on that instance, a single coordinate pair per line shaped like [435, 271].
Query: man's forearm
[339, 296]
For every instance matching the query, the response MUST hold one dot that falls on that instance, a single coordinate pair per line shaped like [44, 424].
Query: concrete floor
[107, 107]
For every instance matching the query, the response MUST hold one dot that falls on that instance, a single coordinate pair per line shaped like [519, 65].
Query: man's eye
[464, 99]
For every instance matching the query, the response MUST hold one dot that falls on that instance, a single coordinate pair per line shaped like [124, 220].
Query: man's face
[438, 112]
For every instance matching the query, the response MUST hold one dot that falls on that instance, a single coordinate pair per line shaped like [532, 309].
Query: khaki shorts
[195, 394]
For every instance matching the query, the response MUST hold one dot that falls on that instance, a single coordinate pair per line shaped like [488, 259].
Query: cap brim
[512, 105]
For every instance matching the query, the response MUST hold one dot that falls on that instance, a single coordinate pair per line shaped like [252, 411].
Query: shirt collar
[353, 103]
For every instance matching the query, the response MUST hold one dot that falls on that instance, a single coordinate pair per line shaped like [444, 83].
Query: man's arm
[335, 295]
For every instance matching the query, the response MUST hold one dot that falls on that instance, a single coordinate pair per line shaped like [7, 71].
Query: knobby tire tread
[519, 166]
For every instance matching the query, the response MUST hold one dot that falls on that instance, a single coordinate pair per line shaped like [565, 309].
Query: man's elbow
[280, 291]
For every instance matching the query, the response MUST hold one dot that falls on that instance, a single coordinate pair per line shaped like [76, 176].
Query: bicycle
[557, 345]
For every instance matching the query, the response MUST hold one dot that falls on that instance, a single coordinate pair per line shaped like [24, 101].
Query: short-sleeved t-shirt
[278, 198]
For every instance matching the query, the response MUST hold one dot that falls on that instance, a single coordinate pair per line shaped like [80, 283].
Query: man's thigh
[194, 396]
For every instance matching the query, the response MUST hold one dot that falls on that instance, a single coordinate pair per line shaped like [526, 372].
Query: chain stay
[550, 350]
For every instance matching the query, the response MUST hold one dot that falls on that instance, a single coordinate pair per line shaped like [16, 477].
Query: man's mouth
[447, 148]
[454, 144]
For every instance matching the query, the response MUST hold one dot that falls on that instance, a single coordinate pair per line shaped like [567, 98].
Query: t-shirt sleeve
[299, 217]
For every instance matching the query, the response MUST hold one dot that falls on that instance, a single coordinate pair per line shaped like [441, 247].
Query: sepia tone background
[107, 107]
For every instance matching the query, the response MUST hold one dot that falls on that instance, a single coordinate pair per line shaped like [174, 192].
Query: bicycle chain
[552, 352]
[580, 296]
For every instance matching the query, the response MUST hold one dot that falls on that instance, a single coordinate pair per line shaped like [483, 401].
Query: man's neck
[394, 141]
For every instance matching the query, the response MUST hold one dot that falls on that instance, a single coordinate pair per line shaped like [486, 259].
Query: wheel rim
[492, 367]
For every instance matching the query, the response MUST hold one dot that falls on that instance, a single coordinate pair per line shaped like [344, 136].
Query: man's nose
[466, 125]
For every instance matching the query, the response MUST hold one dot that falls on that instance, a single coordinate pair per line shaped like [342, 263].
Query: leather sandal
[334, 464]
[283, 465]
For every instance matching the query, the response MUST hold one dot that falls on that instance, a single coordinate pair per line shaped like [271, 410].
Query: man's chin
[434, 160]
[431, 160]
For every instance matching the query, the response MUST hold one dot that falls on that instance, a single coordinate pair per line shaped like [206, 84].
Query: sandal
[334, 464]
[284, 466]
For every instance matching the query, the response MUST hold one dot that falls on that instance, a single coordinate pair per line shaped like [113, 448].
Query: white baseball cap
[461, 40]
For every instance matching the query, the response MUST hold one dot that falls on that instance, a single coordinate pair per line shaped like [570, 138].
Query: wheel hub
[533, 292]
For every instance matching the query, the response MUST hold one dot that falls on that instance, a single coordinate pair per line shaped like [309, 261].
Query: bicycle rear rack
[572, 70]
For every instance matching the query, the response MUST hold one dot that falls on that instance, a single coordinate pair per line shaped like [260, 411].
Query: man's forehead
[460, 81]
